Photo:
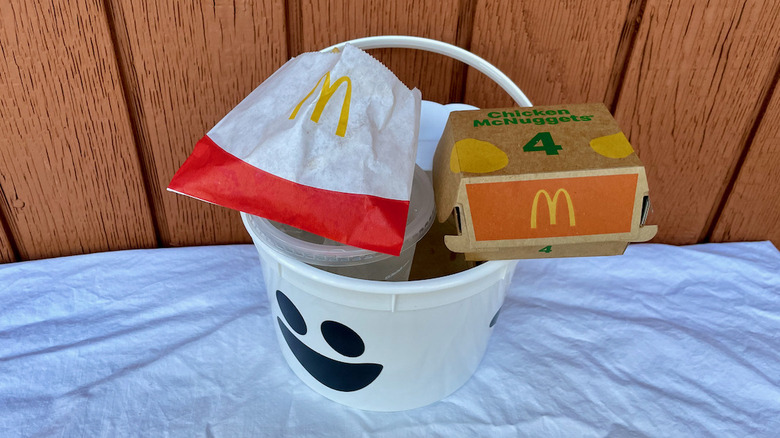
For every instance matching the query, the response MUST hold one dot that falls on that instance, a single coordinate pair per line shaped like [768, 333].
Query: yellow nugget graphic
[612, 146]
[477, 156]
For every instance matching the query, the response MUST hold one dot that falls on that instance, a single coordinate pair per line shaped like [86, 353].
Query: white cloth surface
[662, 341]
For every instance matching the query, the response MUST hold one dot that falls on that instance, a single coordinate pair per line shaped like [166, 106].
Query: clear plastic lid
[317, 250]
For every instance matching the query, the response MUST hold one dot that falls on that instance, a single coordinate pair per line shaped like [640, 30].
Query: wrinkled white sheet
[663, 341]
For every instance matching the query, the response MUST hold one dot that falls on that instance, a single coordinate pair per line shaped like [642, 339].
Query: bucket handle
[435, 46]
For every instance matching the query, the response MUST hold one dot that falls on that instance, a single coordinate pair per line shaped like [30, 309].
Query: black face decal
[342, 339]
[291, 313]
[341, 376]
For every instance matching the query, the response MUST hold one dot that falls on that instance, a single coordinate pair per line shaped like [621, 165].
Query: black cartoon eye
[291, 313]
[342, 339]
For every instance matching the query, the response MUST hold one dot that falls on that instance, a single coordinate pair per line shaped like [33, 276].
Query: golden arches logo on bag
[552, 206]
[327, 92]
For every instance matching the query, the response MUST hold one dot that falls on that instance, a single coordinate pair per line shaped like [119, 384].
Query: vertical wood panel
[6, 254]
[326, 22]
[186, 64]
[6, 251]
[692, 90]
[752, 211]
[556, 52]
[70, 179]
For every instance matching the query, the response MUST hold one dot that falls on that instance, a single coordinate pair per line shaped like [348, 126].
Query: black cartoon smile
[341, 376]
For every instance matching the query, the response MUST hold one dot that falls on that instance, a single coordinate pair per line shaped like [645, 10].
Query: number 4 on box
[542, 141]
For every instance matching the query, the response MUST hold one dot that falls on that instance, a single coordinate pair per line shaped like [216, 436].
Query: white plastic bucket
[386, 346]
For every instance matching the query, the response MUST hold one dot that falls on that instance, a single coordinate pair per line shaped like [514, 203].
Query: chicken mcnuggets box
[540, 182]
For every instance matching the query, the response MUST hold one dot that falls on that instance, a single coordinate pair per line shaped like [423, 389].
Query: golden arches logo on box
[327, 92]
[604, 204]
[552, 206]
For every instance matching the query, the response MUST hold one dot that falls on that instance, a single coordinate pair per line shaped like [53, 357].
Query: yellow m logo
[327, 92]
[552, 204]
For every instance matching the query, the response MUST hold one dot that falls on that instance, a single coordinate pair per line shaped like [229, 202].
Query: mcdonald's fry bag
[326, 144]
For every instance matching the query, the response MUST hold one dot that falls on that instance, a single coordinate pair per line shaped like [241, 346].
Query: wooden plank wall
[693, 90]
[103, 100]
[551, 50]
[752, 210]
[71, 177]
[184, 66]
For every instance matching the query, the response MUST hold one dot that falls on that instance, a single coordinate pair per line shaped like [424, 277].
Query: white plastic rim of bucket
[442, 48]
[382, 295]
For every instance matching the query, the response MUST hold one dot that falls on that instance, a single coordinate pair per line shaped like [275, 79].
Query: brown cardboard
[432, 259]
[545, 181]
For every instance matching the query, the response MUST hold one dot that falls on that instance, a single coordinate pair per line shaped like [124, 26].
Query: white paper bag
[326, 144]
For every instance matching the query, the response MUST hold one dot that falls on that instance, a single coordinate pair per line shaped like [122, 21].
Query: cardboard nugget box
[545, 181]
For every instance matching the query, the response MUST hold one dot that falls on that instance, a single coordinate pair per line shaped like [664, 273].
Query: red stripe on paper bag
[365, 221]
